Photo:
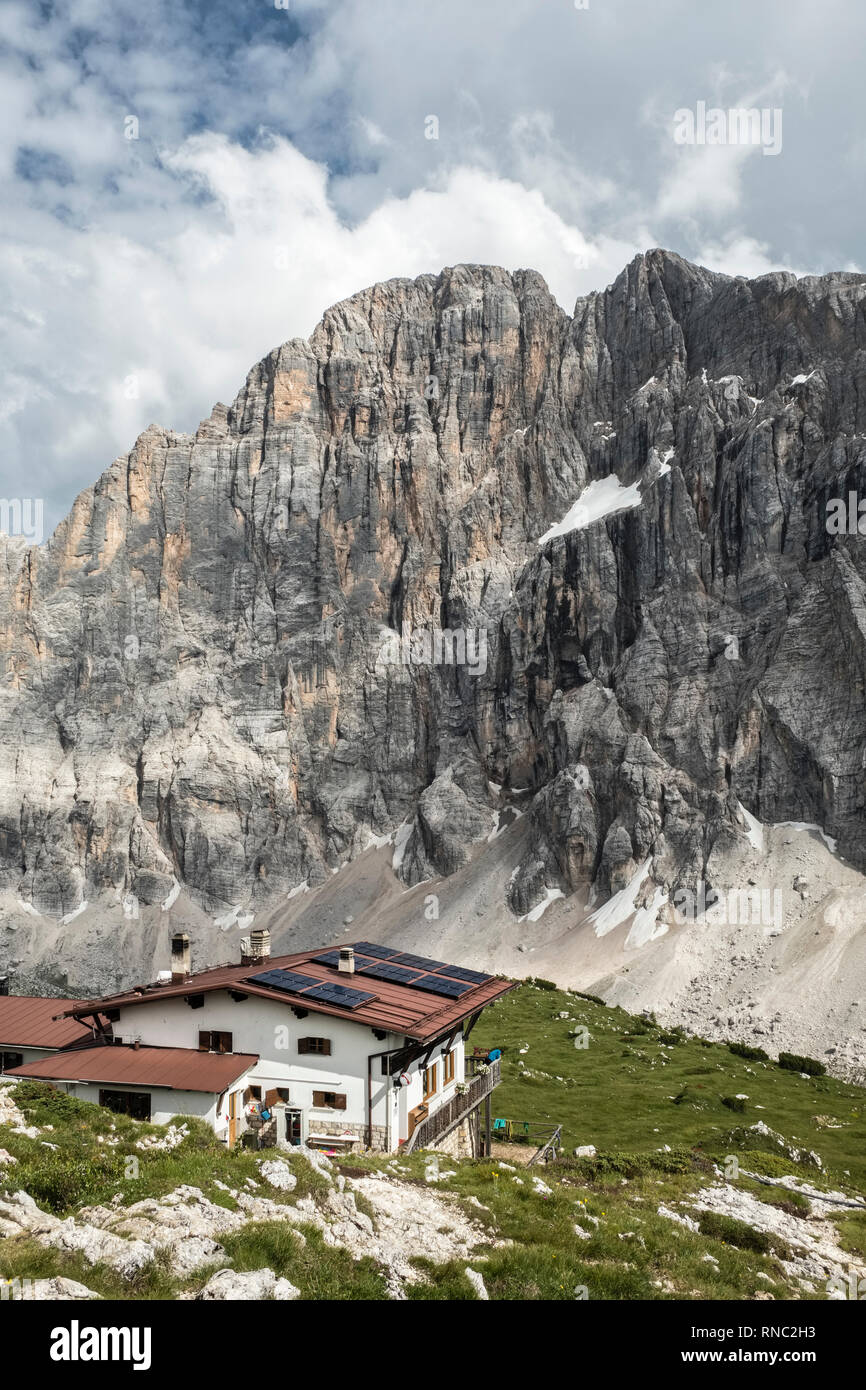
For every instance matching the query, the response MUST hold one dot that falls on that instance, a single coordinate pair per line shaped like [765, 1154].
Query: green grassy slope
[628, 1089]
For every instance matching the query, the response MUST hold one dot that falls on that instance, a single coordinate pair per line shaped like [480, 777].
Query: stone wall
[460, 1143]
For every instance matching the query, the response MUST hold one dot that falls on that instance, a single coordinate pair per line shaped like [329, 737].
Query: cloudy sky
[187, 183]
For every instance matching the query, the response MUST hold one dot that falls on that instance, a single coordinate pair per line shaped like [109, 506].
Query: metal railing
[450, 1114]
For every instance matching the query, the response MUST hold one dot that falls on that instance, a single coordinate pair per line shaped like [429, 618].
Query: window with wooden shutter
[448, 1068]
[320, 1046]
[329, 1100]
[214, 1042]
[431, 1081]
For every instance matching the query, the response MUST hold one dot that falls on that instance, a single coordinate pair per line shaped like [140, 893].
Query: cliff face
[205, 669]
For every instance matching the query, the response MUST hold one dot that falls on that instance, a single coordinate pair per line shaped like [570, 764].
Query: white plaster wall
[271, 1030]
[30, 1054]
[164, 1103]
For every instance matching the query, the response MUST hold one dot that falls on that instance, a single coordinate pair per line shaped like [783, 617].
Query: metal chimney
[347, 960]
[180, 962]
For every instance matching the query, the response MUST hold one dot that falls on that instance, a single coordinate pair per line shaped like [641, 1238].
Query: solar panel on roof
[384, 970]
[287, 980]
[421, 962]
[457, 972]
[437, 984]
[329, 958]
[339, 994]
[369, 948]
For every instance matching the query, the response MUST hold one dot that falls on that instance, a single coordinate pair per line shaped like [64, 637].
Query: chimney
[179, 957]
[260, 944]
[347, 961]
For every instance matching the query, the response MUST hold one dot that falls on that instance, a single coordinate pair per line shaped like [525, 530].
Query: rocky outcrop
[223, 671]
[254, 1286]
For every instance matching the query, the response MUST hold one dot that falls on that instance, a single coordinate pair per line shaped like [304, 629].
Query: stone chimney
[260, 944]
[180, 964]
[347, 961]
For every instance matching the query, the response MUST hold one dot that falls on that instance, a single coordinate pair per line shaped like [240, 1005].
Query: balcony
[450, 1114]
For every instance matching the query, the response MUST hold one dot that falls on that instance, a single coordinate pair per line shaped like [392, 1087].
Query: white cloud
[742, 255]
[159, 320]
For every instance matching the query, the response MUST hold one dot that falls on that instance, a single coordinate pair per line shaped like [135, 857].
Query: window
[214, 1042]
[132, 1103]
[447, 1068]
[431, 1081]
[329, 1100]
[320, 1046]
[8, 1060]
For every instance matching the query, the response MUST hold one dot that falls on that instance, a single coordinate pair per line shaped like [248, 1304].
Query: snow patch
[71, 916]
[646, 926]
[620, 907]
[501, 822]
[829, 840]
[754, 829]
[172, 897]
[540, 908]
[602, 498]
[400, 842]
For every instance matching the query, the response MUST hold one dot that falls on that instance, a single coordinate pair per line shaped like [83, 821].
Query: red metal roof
[176, 1068]
[26, 1021]
[396, 1008]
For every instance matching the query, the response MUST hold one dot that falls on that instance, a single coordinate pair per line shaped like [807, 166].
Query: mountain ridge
[195, 700]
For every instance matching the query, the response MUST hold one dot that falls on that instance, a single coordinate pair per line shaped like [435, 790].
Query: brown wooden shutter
[204, 1042]
[303, 1044]
[271, 1098]
[330, 1100]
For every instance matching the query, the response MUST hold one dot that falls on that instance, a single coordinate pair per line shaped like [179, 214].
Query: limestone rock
[253, 1286]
